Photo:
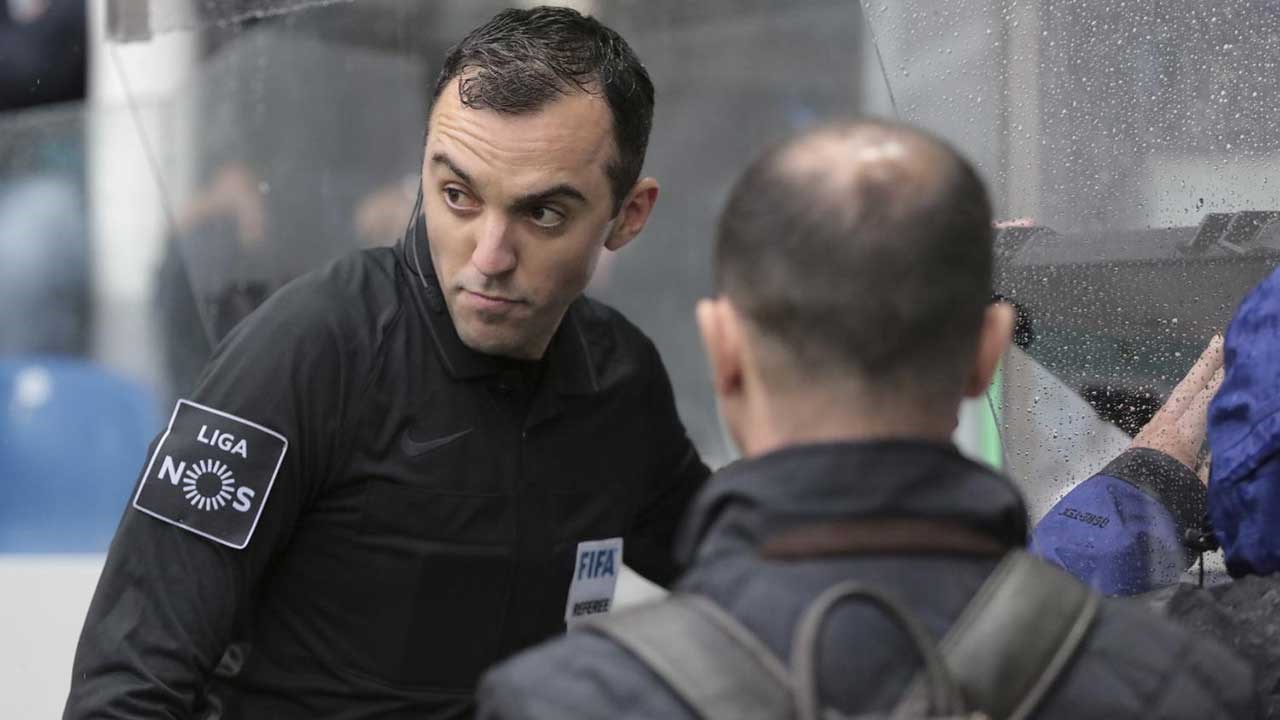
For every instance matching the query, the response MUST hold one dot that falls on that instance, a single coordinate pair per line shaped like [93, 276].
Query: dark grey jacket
[1132, 665]
[1243, 615]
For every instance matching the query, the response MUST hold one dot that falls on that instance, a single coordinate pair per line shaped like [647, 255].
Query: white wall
[134, 130]
[43, 599]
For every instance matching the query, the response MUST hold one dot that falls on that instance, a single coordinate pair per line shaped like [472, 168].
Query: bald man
[853, 270]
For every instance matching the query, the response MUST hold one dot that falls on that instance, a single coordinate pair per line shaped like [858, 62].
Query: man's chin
[493, 342]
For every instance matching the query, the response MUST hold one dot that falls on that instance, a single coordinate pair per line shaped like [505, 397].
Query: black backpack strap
[713, 663]
[1014, 639]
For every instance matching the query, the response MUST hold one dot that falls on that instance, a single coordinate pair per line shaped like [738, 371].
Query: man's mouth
[488, 296]
[486, 301]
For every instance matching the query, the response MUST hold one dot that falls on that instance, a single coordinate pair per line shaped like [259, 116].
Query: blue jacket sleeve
[1122, 530]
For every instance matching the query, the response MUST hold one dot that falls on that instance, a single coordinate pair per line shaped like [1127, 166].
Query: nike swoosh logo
[413, 448]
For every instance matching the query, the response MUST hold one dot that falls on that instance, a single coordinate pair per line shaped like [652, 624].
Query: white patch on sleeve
[211, 473]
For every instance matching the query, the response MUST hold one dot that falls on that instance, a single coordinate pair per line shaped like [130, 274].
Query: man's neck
[776, 425]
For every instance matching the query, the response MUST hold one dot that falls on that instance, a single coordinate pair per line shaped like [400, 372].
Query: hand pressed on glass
[1178, 428]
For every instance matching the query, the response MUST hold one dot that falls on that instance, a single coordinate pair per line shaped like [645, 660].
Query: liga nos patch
[211, 473]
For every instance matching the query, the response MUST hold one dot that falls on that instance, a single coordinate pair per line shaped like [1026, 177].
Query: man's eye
[546, 217]
[457, 199]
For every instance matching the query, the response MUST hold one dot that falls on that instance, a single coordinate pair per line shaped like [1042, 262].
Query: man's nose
[495, 252]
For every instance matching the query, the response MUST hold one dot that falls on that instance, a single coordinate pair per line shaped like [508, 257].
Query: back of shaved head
[863, 249]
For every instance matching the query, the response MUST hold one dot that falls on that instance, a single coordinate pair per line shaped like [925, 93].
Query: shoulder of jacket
[619, 350]
[351, 300]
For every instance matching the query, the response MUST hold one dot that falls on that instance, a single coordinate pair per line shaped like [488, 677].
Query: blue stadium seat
[73, 438]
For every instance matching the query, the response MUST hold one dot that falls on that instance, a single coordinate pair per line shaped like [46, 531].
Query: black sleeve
[169, 599]
[676, 475]
[1168, 481]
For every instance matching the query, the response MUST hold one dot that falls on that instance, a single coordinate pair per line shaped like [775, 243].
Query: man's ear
[993, 340]
[721, 331]
[634, 213]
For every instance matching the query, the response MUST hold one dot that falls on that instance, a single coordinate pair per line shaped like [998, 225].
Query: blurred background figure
[42, 43]
[44, 295]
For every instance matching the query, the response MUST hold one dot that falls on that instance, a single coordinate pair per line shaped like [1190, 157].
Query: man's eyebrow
[524, 202]
[442, 159]
[563, 190]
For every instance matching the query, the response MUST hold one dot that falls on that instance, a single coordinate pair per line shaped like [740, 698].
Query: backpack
[999, 659]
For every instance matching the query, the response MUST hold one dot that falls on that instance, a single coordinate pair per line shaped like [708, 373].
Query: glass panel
[305, 131]
[1130, 144]
[139, 20]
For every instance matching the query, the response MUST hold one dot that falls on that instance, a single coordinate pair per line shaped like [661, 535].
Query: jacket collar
[748, 501]
[569, 363]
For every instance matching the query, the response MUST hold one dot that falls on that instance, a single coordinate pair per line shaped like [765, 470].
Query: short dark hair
[884, 271]
[523, 59]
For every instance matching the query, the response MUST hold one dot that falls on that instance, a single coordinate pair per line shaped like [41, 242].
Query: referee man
[414, 462]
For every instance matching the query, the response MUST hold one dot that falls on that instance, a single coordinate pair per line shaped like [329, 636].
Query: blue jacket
[1122, 530]
[1244, 436]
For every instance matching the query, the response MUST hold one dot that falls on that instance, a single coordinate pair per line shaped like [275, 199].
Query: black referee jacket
[354, 514]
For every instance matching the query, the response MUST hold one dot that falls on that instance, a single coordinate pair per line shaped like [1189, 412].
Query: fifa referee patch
[211, 473]
[595, 576]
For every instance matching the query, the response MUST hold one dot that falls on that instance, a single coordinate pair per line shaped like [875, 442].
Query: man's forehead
[571, 136]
